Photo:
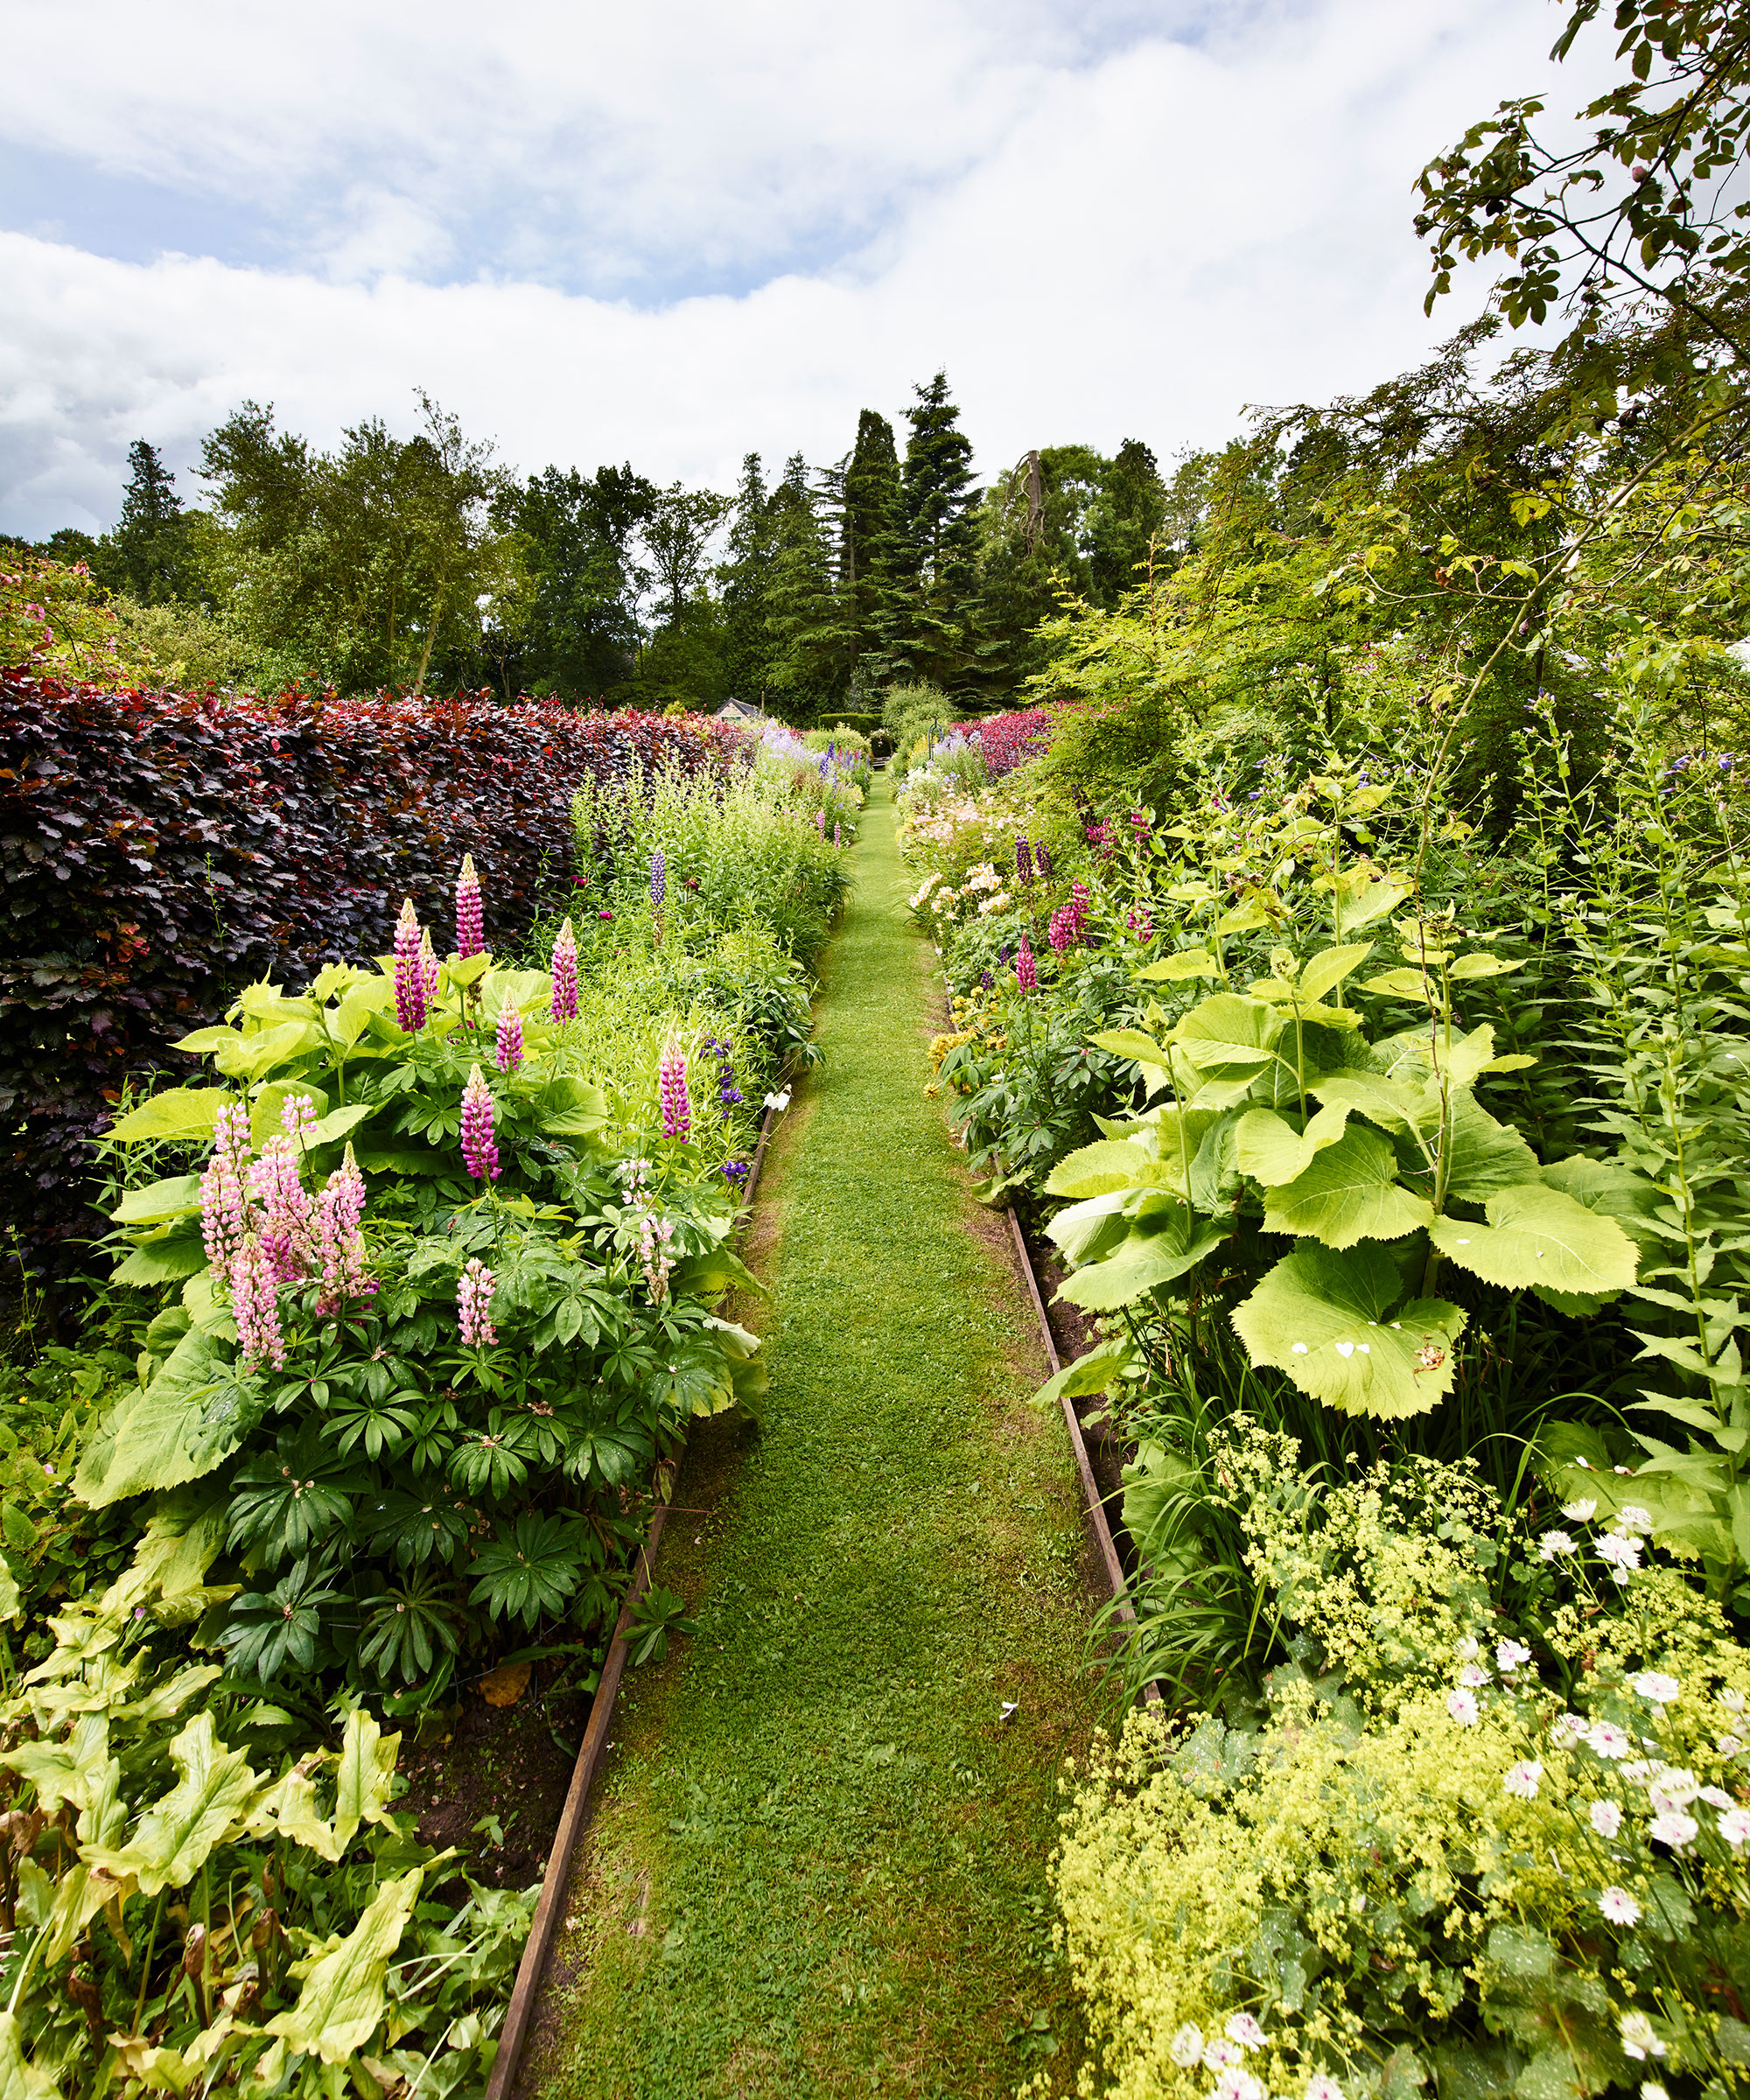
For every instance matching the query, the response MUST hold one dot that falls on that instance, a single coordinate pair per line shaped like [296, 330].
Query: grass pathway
[816, 1867]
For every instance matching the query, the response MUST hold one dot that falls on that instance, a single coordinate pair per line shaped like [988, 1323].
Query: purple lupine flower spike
[480, 1151]
[470, 919]
[659, 879]
[507, 1050]
[409, 979]
[1042, 857]
[1023, 860]
[677, 1109]
[565, 975]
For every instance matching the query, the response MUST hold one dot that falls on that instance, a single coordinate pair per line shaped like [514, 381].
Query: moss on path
[818, 1865]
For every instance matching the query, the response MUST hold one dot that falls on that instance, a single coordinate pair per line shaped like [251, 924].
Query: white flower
[1606, 1817]
[1732, 1699]
[1632, 1518]
[1586, 1466]
[1619, 1549]
[1673, 1828]
[1619, 1907]
[1734, 1827]
[1579, 1513]
[1466, 1649]
[1187, 2046]
[1555, 1545]
[781, 1101]
[1463, 1707]
[1222, 2055]
[1235, 2084]
[1655, 1686]
[1608, 1740]
[1520, 1780]
[1728, 1745]
[1638, 2038]
[1716, 1797]
[1651, 2090]
[1571, 1724]
[1321, 2086]
[1673, 1789]
[1243, 2029]
[1474, 1675]
[1620, 1576]
[1508, 1654]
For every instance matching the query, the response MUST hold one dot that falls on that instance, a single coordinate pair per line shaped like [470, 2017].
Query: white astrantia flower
[1466, 1649]
[1474, 1675]
[1608, 1740]
[1606, 1817]
[1556, 1545]
[1728, 1745]
[1187, 2046]
[1619, 1549]
[1673, 1828]
[1579, 1513]
[1234, 2083]
[1732, 1699]
[1734, 1827]
[1651, 2090]
[1619, 1907]
[1638, 2038]
[1463, 1707]
[1508, 1654]
[1653, 1685]
[1716, 1797]
[1220, 2055]
[1570, 1724]
[1632, 1518]
[1243, 2029]
[1520, 1780]
[1669, 1788]
[1322, 2086]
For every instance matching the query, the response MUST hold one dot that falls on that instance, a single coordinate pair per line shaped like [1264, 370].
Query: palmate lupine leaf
[288, 1500]
[534, 1571]
[416, 1528]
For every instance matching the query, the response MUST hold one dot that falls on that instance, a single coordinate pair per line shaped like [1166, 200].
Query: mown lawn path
[817, 1863]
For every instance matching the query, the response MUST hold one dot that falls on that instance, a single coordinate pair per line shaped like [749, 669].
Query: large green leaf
[1327, 970]
[1228, 1035]
[177, 1832]
[342, 2001]
[239, 1056]
[571, 1108]
[1098, 1168]
[163, 1258]
[66, 1771]
[19, 2079]
[1172, 969]
[1093, 1373]
[1484, 1155]
[158, 1438]
[1540, 1236]
[1157, 1248]
[175, 1197]
[364, 1777]
[1351, 1192]
[1327, 1319]
[179, 1112]
[1088, 1230]
[1392, 1103]
[1270, 1149]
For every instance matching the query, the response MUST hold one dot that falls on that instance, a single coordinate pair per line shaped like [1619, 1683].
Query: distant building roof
[740, 710]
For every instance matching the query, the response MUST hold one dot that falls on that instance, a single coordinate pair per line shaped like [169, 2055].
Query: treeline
[425, 563]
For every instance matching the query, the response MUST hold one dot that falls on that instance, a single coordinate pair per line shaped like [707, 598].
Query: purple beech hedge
[160, 850]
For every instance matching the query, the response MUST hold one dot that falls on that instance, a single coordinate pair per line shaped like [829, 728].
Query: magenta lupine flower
[1080, 903]
[340, 1246]
[470, 919]
[479, 1148]
[508, 1052]
[473, 1302]
[677, 1109]
[835, 835]
[284, 1228]
[427, 969]
[409, 979]
[820, 821]
[1023, 860]
[565, 975]
[1062, 928]
[254, 1307]
[224, 1187]
[1140, 924]
[1027, 971]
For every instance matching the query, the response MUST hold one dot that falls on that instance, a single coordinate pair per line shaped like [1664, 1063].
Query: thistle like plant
[565, 975]
[507, 1049]
[470, 917]
[409, 979]
[480, 1149]
[677, 1109]
[1027, 971]
[473, 1303]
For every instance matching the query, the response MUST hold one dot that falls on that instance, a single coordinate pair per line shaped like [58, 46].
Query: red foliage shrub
[1006, 740]
[157, 852]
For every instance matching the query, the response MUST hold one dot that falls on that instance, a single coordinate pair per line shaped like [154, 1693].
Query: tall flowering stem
[677, 1109]
[473, 1303]
[659, 879]
[428, 970]
[1042, 859]
[565, 975]
[470, 917]
[276, 1185]
[1063, 929]
[409, 979]
[1027, 971]
[254, 1305]
[339, 1244]
[1024, 861]
[224, 1188]
[480, 1149]
[507, 1049]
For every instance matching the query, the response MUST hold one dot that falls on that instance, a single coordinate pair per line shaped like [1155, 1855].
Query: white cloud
[1101, 229]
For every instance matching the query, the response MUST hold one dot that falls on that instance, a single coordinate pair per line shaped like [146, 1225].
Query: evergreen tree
[923, 630]
[1129, 512]
[873, 529]
[810, 621]
[745, 579]
[147, 555]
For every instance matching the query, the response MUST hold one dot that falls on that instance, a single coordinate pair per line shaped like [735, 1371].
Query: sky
[671, 233]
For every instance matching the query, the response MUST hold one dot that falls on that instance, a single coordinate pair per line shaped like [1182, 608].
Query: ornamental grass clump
[1457, 1852]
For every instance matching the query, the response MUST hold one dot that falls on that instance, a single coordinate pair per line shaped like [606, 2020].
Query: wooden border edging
[1122, 1607]
[576, 1814]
